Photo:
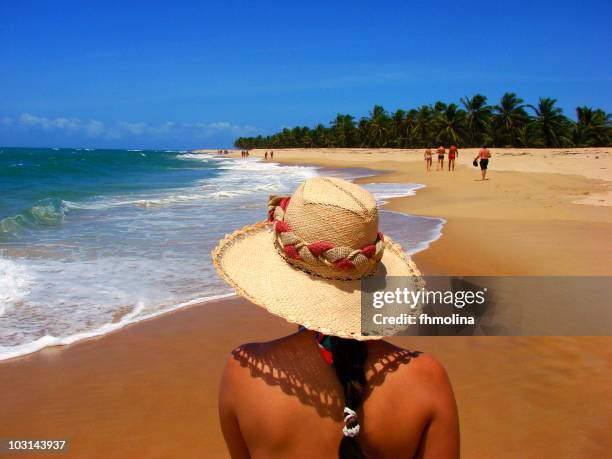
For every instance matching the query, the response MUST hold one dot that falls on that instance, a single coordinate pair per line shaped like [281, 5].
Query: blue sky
[187, 74]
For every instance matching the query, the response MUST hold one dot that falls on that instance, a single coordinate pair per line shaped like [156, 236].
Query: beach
[149, 390]
[525, 220]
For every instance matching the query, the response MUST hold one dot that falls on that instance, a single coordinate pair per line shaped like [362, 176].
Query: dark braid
[349, 358]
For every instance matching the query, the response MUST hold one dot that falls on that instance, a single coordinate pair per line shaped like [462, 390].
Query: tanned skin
[428, 159]
[281, 399]
[441, 151]
[484, 153]
[452, 154]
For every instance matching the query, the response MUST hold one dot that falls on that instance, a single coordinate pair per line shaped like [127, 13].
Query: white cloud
[122, 129]
[228, 127]
[132, 128]
[95, 128]
[92, 127]
[222, 125]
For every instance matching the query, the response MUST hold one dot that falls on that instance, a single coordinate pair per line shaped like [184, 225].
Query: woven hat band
[321, 257]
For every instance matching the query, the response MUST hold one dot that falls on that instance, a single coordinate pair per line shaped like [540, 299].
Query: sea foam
[121, 257]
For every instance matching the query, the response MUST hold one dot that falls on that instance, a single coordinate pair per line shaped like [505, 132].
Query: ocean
[92, 240]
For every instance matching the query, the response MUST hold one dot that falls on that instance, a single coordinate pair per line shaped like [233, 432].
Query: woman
[484, 154]
[326, 391]
[441, 153]
[428, 159]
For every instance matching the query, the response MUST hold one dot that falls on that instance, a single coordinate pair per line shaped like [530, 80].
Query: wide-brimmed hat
[306, 262]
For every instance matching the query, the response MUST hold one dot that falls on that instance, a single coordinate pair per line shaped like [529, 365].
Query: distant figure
[441, 153]
[484, 154]
[266, 156]
[428, 159]
[452, 154]
[271, 155]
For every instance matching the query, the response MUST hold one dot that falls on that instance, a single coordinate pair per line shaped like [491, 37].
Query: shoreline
[128, 320]
[150, 388]
[480, 226]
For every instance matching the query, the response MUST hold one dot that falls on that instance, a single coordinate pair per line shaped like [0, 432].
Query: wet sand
[150, 389]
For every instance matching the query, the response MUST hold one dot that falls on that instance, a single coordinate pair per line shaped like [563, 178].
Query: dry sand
[150, 390]
[521, 221]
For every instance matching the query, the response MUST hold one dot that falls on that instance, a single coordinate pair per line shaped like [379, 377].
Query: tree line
[473, 123]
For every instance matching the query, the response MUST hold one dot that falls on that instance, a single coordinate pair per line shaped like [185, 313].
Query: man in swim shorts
[484, 154]
[441, 153]
[452, 154]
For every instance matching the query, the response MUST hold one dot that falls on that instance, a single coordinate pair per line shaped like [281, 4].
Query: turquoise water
[91, 240]
[38, 186]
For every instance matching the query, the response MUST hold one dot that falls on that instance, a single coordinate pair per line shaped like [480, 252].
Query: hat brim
[247, 261]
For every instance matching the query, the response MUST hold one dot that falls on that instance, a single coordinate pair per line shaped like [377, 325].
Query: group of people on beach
[222, 152]
[482, 159]
[453, 152]
[246, 154]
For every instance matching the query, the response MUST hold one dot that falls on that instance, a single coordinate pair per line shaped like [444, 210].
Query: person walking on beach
[326, 390]
[452, 154]
[484, 155]
[271, 154]
[266, 156]
[428, 160]
[441, 153]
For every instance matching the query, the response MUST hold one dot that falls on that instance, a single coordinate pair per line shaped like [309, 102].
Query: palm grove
[511, 122]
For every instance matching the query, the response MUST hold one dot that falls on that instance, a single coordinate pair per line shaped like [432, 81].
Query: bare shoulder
[422, 371]
[238, 362]
[426, 366]
[250, 358]
[236, 370]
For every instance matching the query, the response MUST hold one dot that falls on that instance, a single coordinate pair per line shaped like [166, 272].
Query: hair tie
[350, 417]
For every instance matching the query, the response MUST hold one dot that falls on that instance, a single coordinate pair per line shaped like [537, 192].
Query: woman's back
[282, 399]
[315, 393]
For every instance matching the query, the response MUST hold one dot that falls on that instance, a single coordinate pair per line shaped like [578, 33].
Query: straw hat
[305, 264]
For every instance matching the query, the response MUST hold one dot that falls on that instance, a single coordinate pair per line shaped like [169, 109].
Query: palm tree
[553, 128]
[411, 137]
[397, 133]
[439, 107]
[450, 125]
[423, 126]
[593, 128]
[378, 127]
[504, 124]
[343, 131]
[508, 117]
[362, 131]
[320, 136]
[477, 118]
[528, 136]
